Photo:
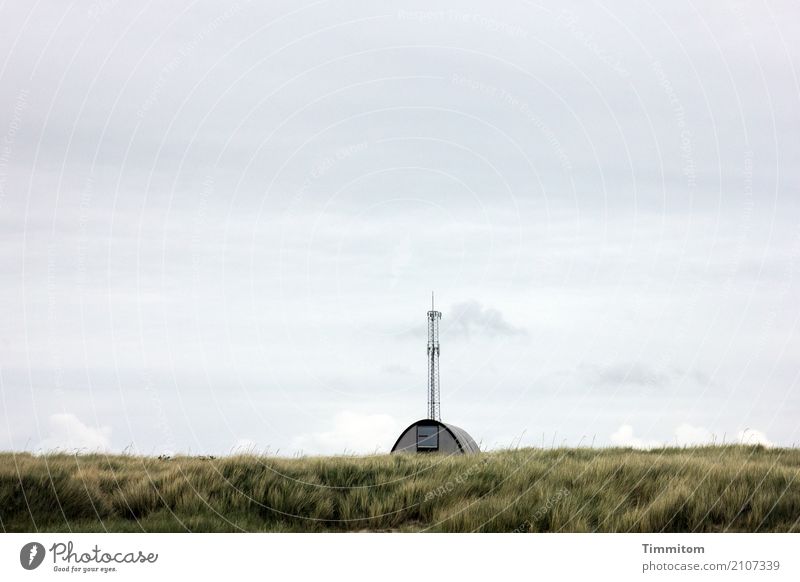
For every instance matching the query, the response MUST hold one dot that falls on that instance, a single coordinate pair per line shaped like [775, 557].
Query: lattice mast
[434, 412]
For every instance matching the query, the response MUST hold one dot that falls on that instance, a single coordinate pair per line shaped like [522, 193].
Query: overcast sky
[220, 224]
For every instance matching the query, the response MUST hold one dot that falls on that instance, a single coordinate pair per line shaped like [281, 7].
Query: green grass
[706, 489]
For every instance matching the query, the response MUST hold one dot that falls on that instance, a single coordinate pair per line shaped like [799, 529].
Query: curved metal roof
[465, 442]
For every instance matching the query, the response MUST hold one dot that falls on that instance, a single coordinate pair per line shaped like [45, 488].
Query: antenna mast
[434, 412]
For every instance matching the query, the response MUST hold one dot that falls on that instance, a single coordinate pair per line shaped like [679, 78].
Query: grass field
[707, 489]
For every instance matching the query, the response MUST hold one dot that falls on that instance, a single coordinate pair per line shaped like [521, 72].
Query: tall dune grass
[706, 489]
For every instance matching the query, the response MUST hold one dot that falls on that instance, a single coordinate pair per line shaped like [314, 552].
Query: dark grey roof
[467, 443]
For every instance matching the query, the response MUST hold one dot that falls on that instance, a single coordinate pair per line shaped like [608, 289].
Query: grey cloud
[632, 374]
[396, 370]
[627, 375]
[471, 319]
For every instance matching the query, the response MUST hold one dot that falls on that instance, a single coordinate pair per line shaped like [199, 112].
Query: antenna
[434, 408]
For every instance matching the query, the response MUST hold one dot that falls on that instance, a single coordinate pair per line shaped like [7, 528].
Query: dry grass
[731, 488]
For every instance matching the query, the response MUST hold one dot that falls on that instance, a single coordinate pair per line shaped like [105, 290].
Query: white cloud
[352, 433]
[750, 436]
[624, 437]
[688, 435]
[67, 432]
